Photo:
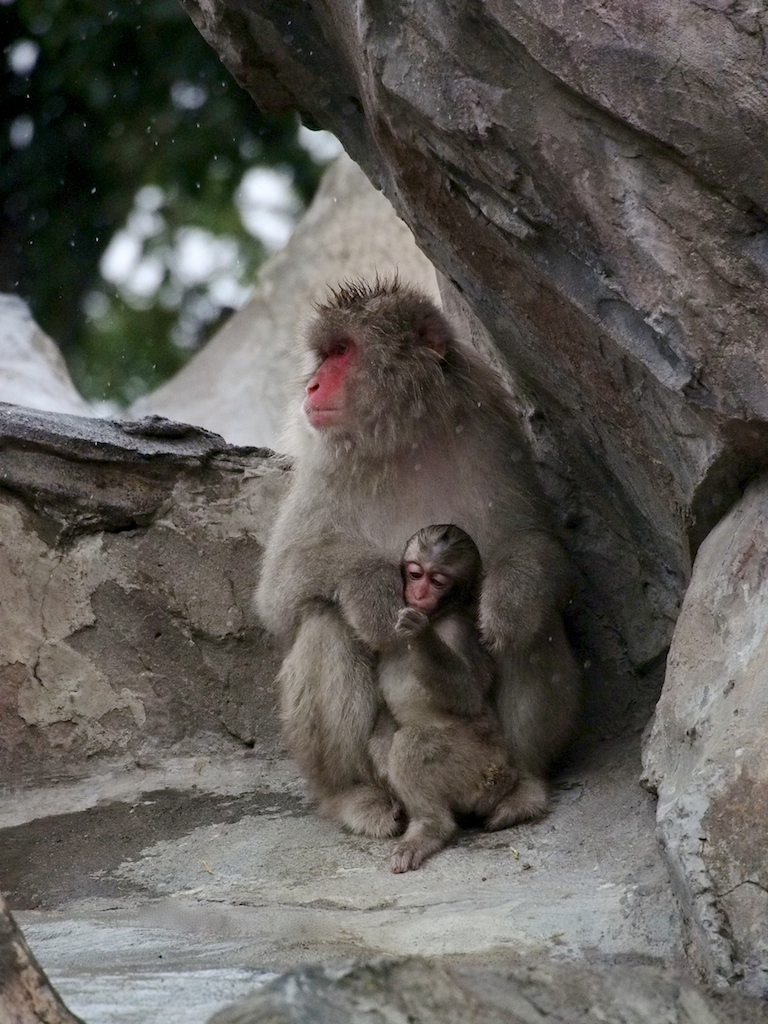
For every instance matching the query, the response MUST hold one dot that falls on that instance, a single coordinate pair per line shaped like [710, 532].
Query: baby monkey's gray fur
[439, 743]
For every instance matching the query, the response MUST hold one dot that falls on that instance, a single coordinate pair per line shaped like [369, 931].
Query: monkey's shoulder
[457, 631]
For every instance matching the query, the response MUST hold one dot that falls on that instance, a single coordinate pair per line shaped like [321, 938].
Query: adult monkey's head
[382, 356]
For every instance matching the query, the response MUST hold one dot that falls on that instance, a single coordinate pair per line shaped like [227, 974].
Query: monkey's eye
[413, 571]
[440, 582]
[340, 347]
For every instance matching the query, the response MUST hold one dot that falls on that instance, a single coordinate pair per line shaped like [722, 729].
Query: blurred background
[140, 187]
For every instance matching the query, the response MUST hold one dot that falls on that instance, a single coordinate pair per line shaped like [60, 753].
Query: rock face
[238, 384]
[591, 183]
[406, 990]
[32, 370]
[128, 554]
[26, 995]
[571, 173]
[706, 752]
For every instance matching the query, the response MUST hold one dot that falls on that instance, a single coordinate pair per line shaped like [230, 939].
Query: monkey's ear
[432, 332]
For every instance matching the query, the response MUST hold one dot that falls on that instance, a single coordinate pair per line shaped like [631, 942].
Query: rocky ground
[165, 892]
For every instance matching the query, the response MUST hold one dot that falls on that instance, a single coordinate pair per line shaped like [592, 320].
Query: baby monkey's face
[426, 585]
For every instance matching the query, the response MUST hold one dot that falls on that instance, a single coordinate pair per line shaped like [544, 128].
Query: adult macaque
[402, 426]
[439, 743]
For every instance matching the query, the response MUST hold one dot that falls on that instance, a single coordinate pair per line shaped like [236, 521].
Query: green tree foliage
[99, 101]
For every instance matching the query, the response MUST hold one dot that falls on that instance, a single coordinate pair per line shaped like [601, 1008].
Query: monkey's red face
[325, 403]
[425, 589]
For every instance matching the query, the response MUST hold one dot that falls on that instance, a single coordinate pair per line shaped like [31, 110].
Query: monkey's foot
[528, 800]
[367, 810]
[410, 854]
[422, 838]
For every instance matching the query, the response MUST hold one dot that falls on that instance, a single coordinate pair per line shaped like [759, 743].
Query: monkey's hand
[369, 594]
[410, 622]
[523, 586]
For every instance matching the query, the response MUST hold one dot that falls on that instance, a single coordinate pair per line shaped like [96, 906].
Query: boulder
[32, 370]
[128, 553]
[530, 990]
[706, 754]
[571, 173]
[26, 995]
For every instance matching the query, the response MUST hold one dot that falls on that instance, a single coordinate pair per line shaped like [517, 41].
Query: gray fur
[446, 752]
[429, 436]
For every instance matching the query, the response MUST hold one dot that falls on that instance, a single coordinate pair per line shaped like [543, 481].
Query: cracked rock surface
[156, 845]
[706, 752]
[128, 554]
[407, 990]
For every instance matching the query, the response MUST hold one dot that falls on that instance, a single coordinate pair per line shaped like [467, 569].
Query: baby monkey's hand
[411, 622]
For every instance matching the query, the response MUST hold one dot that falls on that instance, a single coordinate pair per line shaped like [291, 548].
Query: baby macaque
[439, 744]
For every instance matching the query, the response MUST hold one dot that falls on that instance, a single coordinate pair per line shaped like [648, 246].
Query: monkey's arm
[303, 559]
[293, 577]
[300, 569]
[525, 579]
[369, 593]
[448, 661]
